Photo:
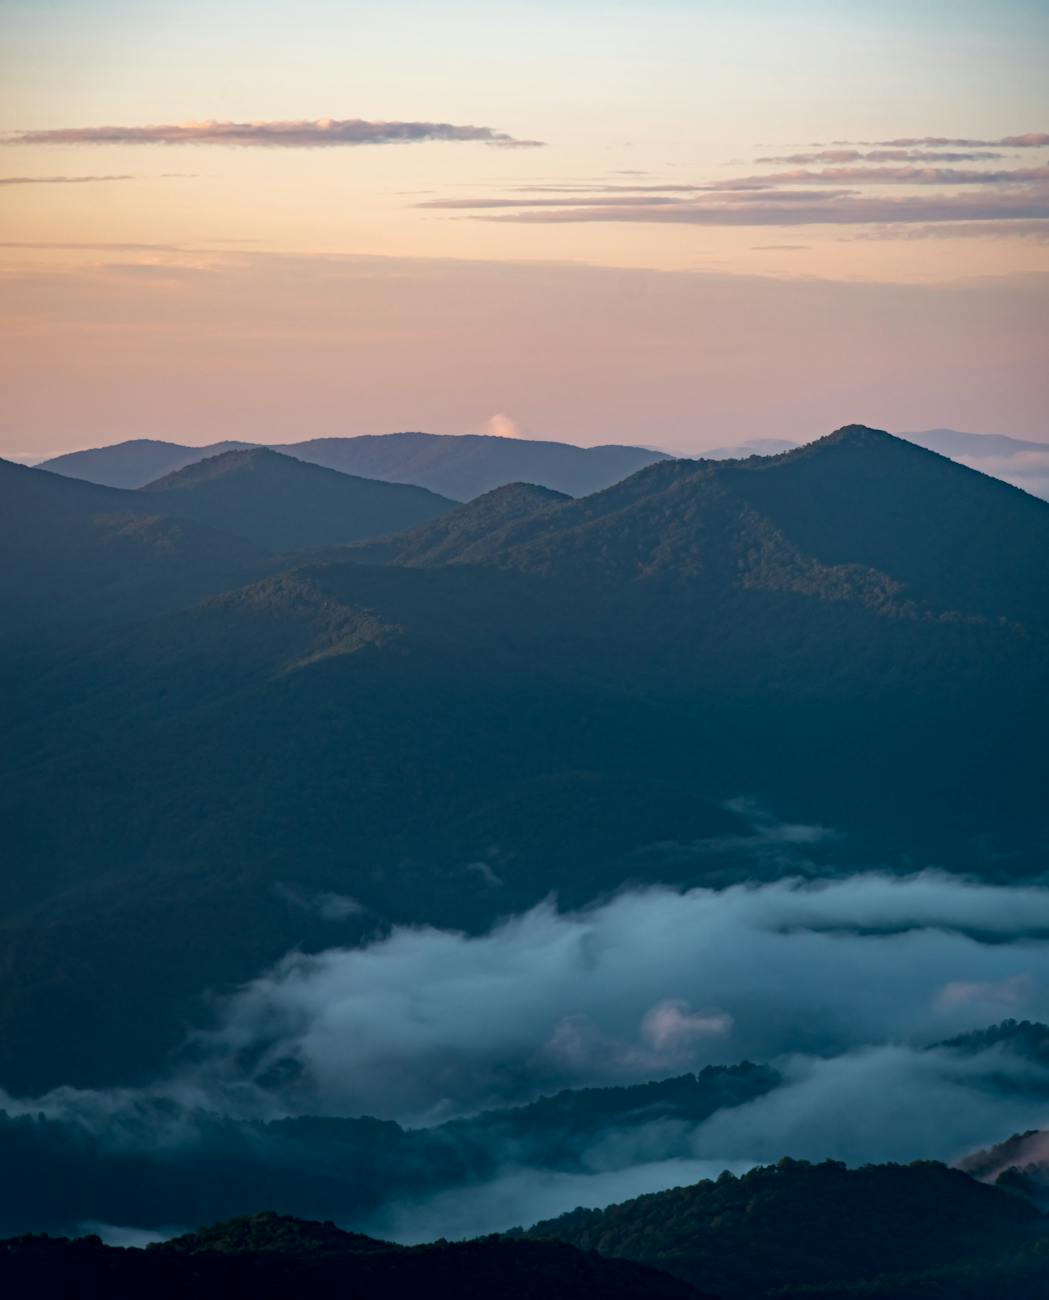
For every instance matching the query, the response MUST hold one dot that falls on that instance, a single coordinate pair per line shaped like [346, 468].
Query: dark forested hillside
[797, 1229]
[570, 692]
[283, 504]
[271, 1257]
[859, 514]
[75, 552]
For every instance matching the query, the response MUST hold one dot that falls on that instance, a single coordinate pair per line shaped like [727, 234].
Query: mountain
[752, 447]
[133, 464]
[573, 693]
[76, 552]
[274, 1257]
[856, 512]
[459, 467]
[64, 1170]
[284, 504]
[1028, 1039]
[1020, 1164]
[951, 442]
[146, 1161]
[796, 1229]
[466, 465]
[1023, 463]
[451, 537]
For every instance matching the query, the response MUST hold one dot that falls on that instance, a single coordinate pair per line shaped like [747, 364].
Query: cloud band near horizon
[842, 210]
[321, 133]
[59, 180]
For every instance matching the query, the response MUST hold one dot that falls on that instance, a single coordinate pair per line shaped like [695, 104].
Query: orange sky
[672, 223]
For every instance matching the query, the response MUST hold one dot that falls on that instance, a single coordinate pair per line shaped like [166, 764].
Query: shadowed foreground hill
[853, 635]
[271, 1257]
[284, 504]
[796, 1229]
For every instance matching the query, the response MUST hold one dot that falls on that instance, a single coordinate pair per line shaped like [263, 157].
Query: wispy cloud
[628, 200]
[1029, 140]
[881, 155]
[59, 180]
[902, 175]
[841, 183]
[1037, 230]
[324, 132]
[779, 210]
[567, 200]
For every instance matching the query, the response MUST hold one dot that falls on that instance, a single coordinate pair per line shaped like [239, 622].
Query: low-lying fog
[843, 985]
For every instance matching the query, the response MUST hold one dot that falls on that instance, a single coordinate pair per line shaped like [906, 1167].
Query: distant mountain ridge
[750, 447]
[465, 466]
[135, 463]
[952, 442]
[456, 466]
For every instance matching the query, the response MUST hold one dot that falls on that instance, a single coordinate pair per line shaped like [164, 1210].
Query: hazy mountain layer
[458, 467]
[133, 464]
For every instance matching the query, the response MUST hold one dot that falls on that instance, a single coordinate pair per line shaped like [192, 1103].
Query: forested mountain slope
[570, 692]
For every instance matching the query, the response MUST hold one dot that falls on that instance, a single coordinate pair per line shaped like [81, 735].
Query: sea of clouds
[846, 986]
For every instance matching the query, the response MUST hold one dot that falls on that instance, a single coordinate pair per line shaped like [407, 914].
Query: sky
[681, 223]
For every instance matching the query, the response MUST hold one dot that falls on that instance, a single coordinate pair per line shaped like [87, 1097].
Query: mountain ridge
[458, 466]
[286, 504]
[574, 705]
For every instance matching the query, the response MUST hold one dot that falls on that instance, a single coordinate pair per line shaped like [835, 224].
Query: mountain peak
[861, 435]
[452, 537]
[235, 461]
[287, 504]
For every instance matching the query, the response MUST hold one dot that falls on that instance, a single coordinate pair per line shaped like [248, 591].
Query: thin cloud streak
[1029, 140]
[1037, 230]
[881, 155]
[846, 210]
[59, 180]
[896, 176]
[322, 133]
[620, 201]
